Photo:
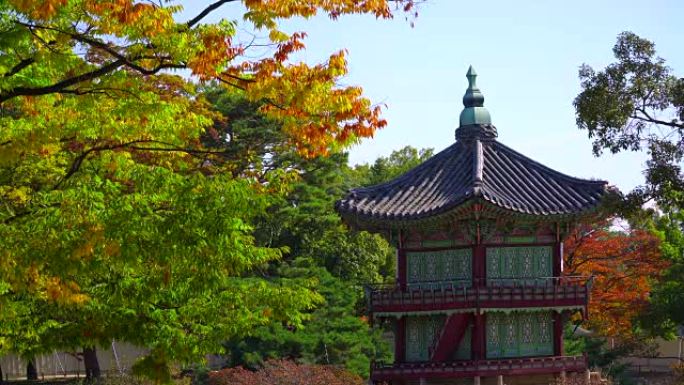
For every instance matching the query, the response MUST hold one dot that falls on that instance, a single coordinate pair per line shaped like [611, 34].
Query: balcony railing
[455, 369]
[484, 293]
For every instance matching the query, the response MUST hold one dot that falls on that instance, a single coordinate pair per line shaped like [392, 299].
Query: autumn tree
[624, 266]
[117, 215]
[637, 104]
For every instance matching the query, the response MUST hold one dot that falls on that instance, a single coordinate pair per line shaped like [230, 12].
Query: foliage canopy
[637, 104]
[119, 219]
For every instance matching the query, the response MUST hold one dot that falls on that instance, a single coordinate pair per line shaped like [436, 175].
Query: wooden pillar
[474, 344]
[477, 343]
[557, 259]
[401, 261]
[557, 334]
[400, 341]
[401, 268]
[479, 266]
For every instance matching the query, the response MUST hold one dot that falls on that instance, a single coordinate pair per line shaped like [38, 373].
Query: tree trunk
[31, 371]
[2, 378]
[92, 366]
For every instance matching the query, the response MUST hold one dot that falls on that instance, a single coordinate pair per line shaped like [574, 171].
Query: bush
[284, 372]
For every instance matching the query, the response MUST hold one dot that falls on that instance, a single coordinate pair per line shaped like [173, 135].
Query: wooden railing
[505, 292]
[454, 369]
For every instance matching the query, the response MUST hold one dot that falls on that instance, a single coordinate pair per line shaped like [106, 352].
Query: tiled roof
[473, 168]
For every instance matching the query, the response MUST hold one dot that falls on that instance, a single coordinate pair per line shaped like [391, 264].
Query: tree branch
[129, 62]
[20, 66]
[121, 60]
[26, 91]
[63, 84]
[177, 149]
[206, 11]
[648, 118]
[78, 161]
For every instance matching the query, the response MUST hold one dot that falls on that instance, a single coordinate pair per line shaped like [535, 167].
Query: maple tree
[624, 265]
[117, 219]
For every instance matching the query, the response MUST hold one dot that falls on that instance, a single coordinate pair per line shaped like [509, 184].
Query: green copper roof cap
[475, 119]
[473, 97]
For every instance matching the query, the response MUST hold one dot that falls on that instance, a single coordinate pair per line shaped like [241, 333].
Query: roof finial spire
[474, 116]
[473, 96]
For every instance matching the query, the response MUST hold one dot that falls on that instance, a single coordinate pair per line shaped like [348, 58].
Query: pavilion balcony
[558, 292]
[483, 368]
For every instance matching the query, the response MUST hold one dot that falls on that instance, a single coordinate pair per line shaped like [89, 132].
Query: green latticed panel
[430, 269]
[463, 352]
[506, 264]
[519, 334]
[421, 332]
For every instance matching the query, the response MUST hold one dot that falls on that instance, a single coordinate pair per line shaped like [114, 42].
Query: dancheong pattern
[505, 264]
[421, 332]
[519, 334]
[438, 268]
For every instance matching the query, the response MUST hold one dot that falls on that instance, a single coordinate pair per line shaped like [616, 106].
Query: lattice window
[493, 262]
[519, 334]
[511, 343]
[527, 326]
[493, 335]
[545, 262]
[506, 265]
[413, 339]
[527, 259]
[544, 322]
[421, 332]
[439, 268]
[527, 336]
[414, 274]
[449, 268]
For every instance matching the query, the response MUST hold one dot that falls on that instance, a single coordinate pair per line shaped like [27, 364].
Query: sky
[526, 53]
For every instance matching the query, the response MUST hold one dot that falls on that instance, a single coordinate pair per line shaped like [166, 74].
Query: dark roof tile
[509, 180]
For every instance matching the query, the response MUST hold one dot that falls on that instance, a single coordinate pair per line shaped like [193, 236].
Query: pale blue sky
[526, 54]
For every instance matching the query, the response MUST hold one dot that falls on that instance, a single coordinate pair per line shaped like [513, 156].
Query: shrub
[285, 372]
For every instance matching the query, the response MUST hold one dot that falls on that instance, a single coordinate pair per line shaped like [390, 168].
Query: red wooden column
[479, 257]
[557, 317]
[478, 338]
[400, 332]
[401, 268]
[557, 334]
[400, 340]
[477, 343]
[557, 258]
[401, 261]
